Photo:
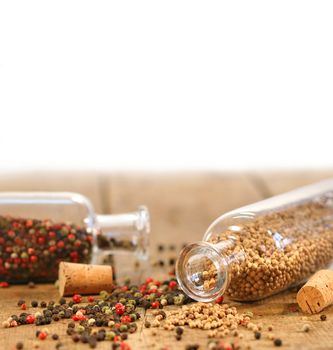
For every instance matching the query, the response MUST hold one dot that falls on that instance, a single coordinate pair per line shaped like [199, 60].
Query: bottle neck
[123, 232]
[204, 269]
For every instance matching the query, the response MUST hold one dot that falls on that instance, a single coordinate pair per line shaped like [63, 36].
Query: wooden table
[278, 311]
[182, 206]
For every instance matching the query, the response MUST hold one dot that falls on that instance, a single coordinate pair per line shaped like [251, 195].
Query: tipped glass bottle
[263, 248]
[40, 229]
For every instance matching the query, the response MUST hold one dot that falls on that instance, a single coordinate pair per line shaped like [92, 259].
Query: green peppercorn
[133, 317]
[123, 328]
[109, 335]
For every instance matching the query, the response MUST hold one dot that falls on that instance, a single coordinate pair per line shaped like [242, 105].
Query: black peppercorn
[43, 304]
[172, 261]
[75, 338]
[257, 335]
[55, 336]
[179, 330]
[277, 342]
[323, 317]
[19, 345]
[34, 303]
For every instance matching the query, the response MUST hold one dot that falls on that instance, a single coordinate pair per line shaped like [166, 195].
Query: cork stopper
[84, 278]
[317, 293]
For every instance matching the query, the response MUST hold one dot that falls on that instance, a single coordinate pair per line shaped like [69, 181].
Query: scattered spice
[257, 335]
[323, 317]
[31, 284]
[305, 328]
[19, 345]
[277, 342]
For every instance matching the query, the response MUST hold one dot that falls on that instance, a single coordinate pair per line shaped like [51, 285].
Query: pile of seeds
[219, 320]
[275, 250]
[112, 316]
[27, 246]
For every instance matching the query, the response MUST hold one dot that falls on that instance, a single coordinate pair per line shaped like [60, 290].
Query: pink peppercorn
[42, 335]
[77, 298]
[155, 305]
[30, 319]
[172, 284]
[120, 308]
[125, 319]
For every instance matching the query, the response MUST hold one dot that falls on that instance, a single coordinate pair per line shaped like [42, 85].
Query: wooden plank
[182, 206]
[277, 182]
[88, 184]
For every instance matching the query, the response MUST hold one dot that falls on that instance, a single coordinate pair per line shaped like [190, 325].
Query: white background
[166, 84]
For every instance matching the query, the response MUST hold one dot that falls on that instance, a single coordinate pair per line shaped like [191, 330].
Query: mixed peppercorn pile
[111, 316]
[28, 245]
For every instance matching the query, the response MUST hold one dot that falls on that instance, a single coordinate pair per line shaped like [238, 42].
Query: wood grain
[278, 311]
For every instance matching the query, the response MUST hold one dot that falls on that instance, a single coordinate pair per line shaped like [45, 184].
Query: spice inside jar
[261, 249]
[32, 249]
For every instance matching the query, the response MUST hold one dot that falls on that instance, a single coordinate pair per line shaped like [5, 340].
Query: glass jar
[40, 229]
[263, 248]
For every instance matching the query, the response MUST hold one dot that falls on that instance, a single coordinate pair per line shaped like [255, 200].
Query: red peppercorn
[172, 284]
[91, 299]
[77, 298]
[52, 234]
[155, 304]
[28, 223]
[125, 319]
[157, 283]
[41, 240]
[124, 346]
[120, 308]
[60, 244]
[42, 335]
[52, 249]
[23, 306]
[153, 290]
[30, 319]
[219, 300]
[33, 259]
[149, 280]
[74, 255]
[11, 233]
[4, 284]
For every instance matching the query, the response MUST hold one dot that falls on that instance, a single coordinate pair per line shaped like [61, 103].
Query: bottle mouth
[202, 272]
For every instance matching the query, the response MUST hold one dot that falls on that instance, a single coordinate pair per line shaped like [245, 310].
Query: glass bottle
[262, 248]
[40, 229]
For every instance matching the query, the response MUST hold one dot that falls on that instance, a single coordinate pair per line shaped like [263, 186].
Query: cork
[84, 279]
[317, 293]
